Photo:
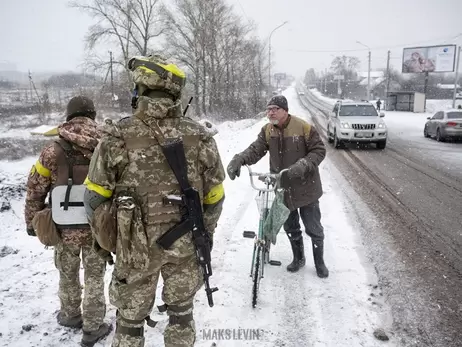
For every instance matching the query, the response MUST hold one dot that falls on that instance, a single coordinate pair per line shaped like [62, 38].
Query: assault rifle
[193, 220]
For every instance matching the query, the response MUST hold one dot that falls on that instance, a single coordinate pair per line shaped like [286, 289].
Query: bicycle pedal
[275, 262]
[249, 234]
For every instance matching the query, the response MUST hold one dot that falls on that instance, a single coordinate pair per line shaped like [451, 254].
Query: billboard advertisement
[429, 59]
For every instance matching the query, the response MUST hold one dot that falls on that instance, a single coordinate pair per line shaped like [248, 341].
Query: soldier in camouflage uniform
[80, 132]
[130, 168]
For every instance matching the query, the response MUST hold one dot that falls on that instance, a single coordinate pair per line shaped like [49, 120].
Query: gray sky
[47, 35]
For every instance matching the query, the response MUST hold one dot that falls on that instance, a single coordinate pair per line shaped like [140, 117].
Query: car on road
[301, 92]
[444, 125]
[356, 122]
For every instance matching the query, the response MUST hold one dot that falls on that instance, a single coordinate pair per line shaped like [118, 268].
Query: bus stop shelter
[405, 101]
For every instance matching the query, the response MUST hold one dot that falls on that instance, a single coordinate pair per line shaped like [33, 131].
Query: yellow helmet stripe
[174, 70]
[97, 188]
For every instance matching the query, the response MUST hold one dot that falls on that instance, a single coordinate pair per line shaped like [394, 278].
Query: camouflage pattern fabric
[133, 293]
[84, 135]
[67, 261]
[129, 163]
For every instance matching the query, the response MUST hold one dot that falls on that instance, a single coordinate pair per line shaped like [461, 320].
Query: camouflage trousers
[133, 293]
[67, 261]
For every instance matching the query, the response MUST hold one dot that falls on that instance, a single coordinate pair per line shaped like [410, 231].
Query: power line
[365, 49]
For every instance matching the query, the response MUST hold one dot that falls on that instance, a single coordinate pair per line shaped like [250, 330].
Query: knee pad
[180, 315]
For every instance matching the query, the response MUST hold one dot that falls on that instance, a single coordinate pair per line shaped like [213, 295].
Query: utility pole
[368, 71]
[388, 81]
[269, 56]
[369, 78]
[456, 80]
[112, 82]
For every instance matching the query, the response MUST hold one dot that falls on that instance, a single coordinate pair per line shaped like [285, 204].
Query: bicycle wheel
[256, 275]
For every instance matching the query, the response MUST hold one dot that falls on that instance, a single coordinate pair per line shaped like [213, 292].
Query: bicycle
[262, 245]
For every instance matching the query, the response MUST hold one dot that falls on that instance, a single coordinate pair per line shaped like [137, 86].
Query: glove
[234, 167]
[299, 169]
[31, 232]
[102, 253]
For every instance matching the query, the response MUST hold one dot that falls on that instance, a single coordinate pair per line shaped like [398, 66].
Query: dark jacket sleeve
[315, 147]
[316, 152]
[256, 150]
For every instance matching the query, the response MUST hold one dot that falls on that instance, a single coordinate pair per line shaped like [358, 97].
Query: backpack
[68, 211]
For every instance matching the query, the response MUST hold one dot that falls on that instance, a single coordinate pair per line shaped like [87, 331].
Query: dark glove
[299, 169]
[102, 253]
[31, 232]
[234, 167]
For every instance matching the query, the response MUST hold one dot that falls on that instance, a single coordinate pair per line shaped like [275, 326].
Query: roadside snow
[294, 310]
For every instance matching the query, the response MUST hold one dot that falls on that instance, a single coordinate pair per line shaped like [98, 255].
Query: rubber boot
[299, 255]
[75, 322]
[90, 338]
[318, 254]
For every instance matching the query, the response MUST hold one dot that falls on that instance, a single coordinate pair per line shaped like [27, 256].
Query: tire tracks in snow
[427, 274]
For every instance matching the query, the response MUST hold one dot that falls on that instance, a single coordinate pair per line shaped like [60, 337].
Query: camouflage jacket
[129, 157]
[83, 134]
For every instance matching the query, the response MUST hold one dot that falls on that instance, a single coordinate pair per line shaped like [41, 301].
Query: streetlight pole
[457, 77]
[269, 54]
[368, 72]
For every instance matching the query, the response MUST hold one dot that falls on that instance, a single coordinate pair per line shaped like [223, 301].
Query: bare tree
[346, 66]
[133, 25]
[212, 42]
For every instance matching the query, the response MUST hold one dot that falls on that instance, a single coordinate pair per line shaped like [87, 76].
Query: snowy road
[414, 188]
[294, 309]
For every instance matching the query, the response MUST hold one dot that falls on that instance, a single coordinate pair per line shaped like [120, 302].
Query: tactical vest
[149, 175]
[67, 192]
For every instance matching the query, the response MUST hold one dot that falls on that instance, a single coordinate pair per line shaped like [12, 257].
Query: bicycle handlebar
[268, 178]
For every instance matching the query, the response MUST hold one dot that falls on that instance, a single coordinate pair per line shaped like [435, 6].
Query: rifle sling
[181, 229]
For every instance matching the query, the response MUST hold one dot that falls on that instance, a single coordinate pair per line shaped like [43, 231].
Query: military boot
[299, 255]
[318, 254]
[69, 322]
[90, 338]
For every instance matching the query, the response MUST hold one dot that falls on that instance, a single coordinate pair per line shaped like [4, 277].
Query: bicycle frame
[261, 248]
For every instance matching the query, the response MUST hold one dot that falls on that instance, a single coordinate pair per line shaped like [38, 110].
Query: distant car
[356, 122]
[301, 92]
[444, 124]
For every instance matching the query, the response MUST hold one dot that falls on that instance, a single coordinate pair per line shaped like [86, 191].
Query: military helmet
[80, 106]
[155, 73]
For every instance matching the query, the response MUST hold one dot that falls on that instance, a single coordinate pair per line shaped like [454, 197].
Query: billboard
[429, 59]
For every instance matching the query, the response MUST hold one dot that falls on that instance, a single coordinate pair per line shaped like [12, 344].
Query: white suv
[356, 122]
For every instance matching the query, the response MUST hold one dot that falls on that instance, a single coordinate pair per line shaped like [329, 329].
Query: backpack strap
[69, 153]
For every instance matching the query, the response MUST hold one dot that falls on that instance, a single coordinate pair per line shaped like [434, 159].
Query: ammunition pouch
[45, 228]
[104, 226]
[132, 239]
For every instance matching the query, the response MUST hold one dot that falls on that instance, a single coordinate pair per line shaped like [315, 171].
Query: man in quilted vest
[130, 168]
[78, 137]
[293, 144]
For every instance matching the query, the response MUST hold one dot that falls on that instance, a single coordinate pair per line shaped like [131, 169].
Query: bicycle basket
[264, 199]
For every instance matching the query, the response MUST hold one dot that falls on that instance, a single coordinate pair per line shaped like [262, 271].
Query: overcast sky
[47, 35]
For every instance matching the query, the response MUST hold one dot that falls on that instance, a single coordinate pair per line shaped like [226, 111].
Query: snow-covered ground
[293, 310]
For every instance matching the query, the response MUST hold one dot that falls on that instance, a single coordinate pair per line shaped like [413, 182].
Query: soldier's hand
[31, 232]
[234, 167]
